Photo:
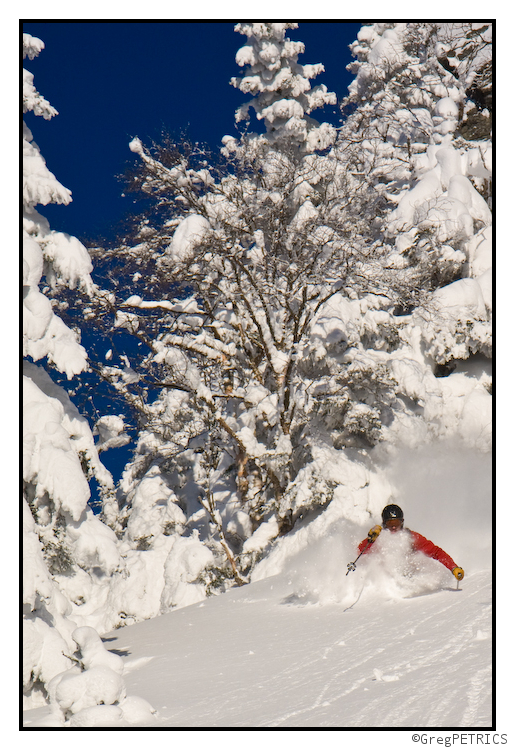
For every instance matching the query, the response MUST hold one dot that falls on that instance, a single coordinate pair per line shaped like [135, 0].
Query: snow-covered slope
[272, 654]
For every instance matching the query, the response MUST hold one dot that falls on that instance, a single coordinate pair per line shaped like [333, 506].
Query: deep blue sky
[113, 81]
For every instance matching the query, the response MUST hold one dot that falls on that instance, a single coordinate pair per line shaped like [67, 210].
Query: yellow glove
[459, 573]
[374, 533]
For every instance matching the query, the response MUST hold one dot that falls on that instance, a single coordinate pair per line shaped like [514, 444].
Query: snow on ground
[266, 656]
[422, 662]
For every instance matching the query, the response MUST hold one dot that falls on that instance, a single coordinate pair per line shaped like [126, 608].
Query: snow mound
[93, 693]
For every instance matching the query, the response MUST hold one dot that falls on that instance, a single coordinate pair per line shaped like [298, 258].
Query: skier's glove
[374, 533]
[459, 573]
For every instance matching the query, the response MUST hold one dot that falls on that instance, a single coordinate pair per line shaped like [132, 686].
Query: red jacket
[419, 544]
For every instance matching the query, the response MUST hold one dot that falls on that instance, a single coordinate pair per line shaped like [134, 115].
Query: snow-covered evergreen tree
[282, 91]
[68, 553]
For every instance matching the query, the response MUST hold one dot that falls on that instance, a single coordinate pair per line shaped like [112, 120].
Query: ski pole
[352, 565]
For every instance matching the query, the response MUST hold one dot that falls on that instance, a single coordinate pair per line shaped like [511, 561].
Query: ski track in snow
[424, 662]
[479, 684]
[250, 659]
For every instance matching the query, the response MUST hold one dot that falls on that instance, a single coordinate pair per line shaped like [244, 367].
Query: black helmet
[392, 511]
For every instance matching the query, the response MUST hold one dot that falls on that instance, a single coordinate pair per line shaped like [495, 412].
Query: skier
[393, 520]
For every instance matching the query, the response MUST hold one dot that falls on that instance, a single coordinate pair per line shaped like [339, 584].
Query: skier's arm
[421, 544]
[366, 545]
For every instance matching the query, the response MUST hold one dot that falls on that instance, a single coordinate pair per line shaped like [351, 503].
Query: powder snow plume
[445, 491]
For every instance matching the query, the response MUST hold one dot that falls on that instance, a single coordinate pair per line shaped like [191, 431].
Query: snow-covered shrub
[92, 693]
